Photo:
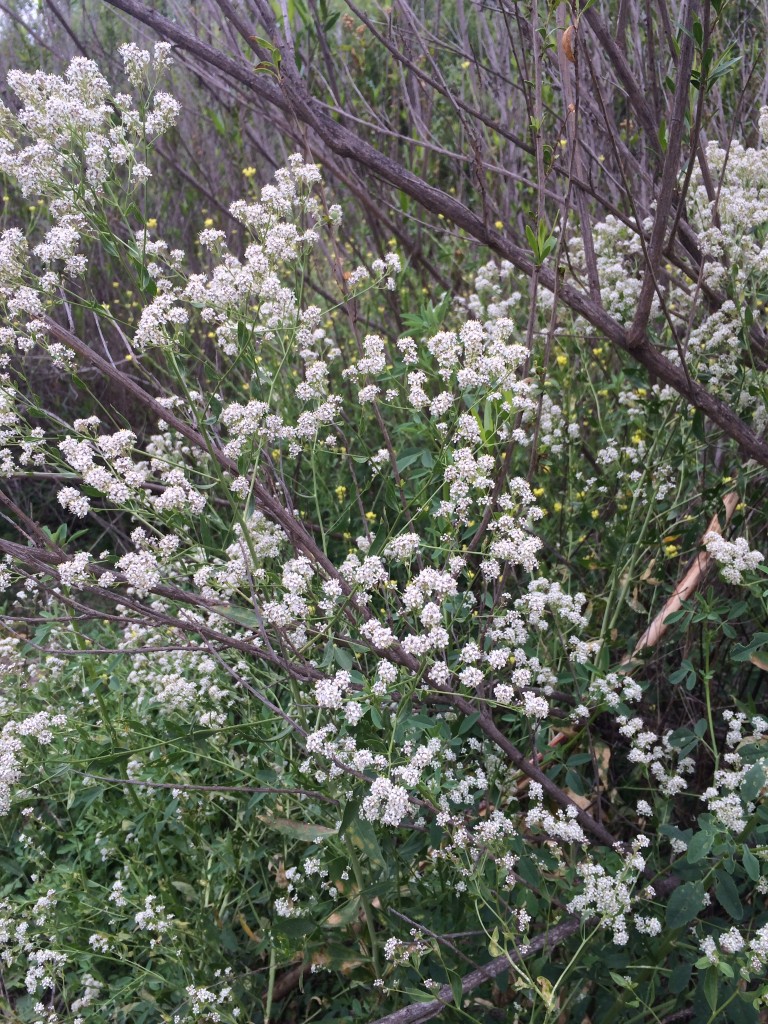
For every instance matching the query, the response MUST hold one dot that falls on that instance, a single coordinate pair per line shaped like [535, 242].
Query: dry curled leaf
[688, 584]
[568, 43]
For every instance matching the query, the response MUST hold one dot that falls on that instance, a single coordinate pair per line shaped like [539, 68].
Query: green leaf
[751, 863]
[303, 830]
[686, 669]
[675, 617]
[242, 616]
[407, 460]
[494, 949]
[728, 895]
[754, 782]
[293, 927]
[418, 996]
[343, 658]
[699, 846]
[711, 981]
[186, 890]
[362, 836]
[468, 723]
[343, 915]
[456, 988]
[679, 978]
[147, 283]
[488, 418]
[351, 813]
[620, 980]
[742, 653]
[684, 904]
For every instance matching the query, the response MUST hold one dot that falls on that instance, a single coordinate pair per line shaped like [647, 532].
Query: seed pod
[568, 43]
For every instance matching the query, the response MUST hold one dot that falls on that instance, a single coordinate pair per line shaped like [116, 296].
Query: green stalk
[270, 983]
[367, 909]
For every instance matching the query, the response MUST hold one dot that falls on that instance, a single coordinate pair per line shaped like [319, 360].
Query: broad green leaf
[728, 895]
[297, 829]
[750, 862]
[754, 781]
[684, 904]
[742, 653]
[699, 846]
[361, 834]
[711, 982]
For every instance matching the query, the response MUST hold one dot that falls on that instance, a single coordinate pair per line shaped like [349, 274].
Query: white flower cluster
[614, 688]
[40, 727]
[651, 750]
[45, 967]
[65, 122]
[610, 896]
[730, 226]
[124, 478]
[174, 682]
[386, 802]
[561, 826]
[251, 291]
[493, 297]
[207, 1004]
[620, 258]
[153, 918]
[399, 953]
[544, 596]
[734, 557]
[255, 547]
[91, 989]
[724, 797]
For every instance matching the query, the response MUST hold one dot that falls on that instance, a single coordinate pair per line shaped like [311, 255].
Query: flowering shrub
[331, 665]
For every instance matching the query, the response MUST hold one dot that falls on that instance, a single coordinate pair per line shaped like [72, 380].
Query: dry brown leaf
[246, 928]
[688, 583]
[583, 802]
[281, 879]
[603, 760]
[568, 44]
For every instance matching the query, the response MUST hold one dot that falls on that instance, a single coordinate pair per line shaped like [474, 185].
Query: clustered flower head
[733, 557]
[434, 607]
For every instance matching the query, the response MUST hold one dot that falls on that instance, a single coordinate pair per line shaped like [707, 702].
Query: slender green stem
[367, 909]
[270, 983]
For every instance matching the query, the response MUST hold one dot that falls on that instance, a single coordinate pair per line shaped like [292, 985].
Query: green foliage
[187, 837]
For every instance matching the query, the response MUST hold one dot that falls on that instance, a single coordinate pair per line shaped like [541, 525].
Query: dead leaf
[688, 583]
[582, 802]
[568, 44]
